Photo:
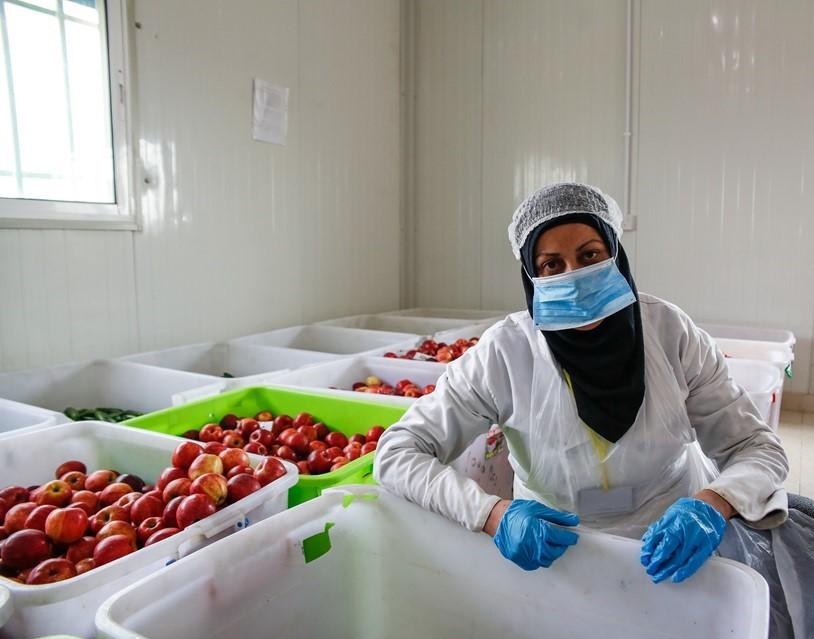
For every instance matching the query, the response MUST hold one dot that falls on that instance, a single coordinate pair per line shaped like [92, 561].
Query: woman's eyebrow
[587, 243]
[547, 253]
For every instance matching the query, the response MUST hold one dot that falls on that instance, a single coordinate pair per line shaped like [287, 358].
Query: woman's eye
[547, 268]
[591, 255]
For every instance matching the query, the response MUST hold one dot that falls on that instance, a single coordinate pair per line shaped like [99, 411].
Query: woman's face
[566, 248]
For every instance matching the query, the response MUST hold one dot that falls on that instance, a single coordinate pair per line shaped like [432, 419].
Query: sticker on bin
[380, 566]
[330, 438]
[90, 507]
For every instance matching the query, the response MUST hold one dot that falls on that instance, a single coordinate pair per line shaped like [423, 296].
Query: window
[63, 151]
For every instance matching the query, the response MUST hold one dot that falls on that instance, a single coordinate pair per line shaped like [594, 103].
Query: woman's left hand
[680, 542]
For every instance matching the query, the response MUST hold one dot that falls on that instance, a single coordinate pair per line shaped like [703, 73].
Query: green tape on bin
[317, 545]
[349, 499]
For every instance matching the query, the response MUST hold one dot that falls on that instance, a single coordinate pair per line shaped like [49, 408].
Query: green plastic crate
[348, 416]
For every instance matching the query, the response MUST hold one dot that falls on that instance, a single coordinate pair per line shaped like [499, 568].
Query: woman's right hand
[529, 533]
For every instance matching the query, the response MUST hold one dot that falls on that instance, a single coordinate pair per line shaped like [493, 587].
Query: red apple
[240, 470]
[412, 391]
[17, 515]
[81, 549]
[176, 488]
[14, 495]
[67, 525]
[232, 440]
[115, 528]
[36, 520]
[168, 516]
[374, 433]
[153, 493]
[322, 431]
[369, 448]
[213, 485]
[25, 548]
[213, 448]
[183, 455]
[338, 463]
[317, 445]
[240, 486]
[229, 421]
[285, 452]
[336, 439]
[85, 508]
[303, 419]
[134, 481]
[51, 571]
[337, 460]
[232, 457]
[281, 422]
[264, 416]
[334, 452]
[56, 493]
[161, 535]
[262, 436]
[106, 515]
[309, 432]
[87, 497]
[146, 507]
[148, 527]
[429, 388]
[319, 462]
[256, 449]
[245, 428]
[193, 509]
[211, 433]
[112, 548]
[190, 434]
[353, 452]
[288, 432]
[205, 464]
[303, 467]
[168, 474]
[98, 480]
[127, 501]
[269, 469]
[299, 444]
[70, 466]
[113, 492]
[75, 480]
[357, 438]
[84, 565]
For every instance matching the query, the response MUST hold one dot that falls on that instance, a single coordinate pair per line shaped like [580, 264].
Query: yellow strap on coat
[600, 444]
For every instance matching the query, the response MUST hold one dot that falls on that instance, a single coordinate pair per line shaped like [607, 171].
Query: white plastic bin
[463, 332]
[398, 324]
[394, 570]
[338, 377]
[329, 339]
[471, 314]
[762, 381]
[238, 360]
[15, 416]
[68, 606]
[108, 383]
[777, 337]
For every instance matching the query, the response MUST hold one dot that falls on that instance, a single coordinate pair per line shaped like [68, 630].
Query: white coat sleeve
[412, 454]
[730, 431]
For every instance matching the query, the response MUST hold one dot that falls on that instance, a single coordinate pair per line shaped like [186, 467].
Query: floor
[797, 434]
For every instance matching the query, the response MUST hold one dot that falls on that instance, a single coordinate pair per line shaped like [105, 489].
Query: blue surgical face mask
[580, 297]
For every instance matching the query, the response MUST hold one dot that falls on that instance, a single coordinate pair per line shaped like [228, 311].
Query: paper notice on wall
[270, 112]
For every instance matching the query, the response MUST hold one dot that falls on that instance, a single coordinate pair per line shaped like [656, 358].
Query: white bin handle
[6, 606]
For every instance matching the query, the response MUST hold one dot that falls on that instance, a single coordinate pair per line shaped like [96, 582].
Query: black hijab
[606, 364]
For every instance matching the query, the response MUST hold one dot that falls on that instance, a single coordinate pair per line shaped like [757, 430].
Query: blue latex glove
[527, 537]
[682, 540]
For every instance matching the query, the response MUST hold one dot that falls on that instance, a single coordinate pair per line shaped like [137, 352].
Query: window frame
[23, 213]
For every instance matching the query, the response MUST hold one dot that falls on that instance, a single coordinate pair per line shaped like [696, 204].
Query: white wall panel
[238, 236]
[725, 154]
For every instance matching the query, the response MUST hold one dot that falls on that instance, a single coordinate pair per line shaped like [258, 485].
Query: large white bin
[763, 382]
[69, 606]
[398, 324]
[15, 416]
[335, 340]
[397, 571]
[239, 360]
[107, 383]
[777, 337]
[471, 314]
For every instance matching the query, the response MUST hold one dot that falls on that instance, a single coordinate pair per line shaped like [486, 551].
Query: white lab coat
[510, 377]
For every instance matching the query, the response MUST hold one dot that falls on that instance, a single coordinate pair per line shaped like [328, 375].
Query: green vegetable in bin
[101, 413]
[228, 375]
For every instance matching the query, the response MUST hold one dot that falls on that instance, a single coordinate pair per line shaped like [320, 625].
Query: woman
[603, 395]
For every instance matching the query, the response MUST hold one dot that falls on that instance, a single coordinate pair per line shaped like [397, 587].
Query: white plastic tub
[329, 339]
[338, 377]
[68, 606]
[394, 570]
[463, 332]
[762, 381]
[471, 314]
[398, 324]
[239, 360]
[15, 416]
[108, 383]
[777, 337]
